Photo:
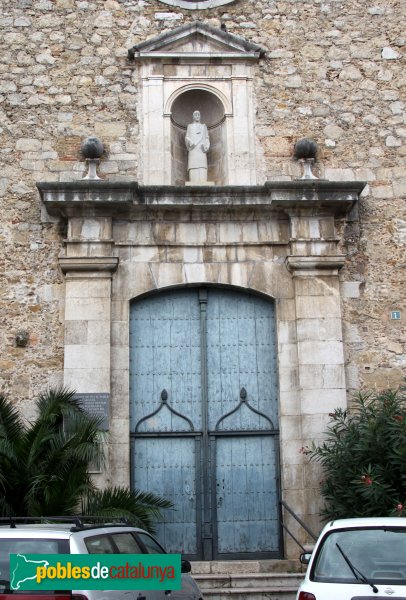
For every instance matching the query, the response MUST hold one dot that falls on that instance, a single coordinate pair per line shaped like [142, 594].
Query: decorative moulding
[196, 40]
[99, 198]
[108, 264]
[315, 265]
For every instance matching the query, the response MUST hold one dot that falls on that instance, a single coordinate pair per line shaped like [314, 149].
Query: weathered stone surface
[333, 71]
[389, 53]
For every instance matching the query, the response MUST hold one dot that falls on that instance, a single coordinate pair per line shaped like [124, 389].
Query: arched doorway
[212, 114]
[204, 419]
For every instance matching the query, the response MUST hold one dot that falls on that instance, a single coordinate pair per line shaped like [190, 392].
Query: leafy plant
[140, 508]
[44, 465]
[364, 457]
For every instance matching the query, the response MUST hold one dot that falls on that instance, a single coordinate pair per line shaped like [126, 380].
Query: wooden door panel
[240, 354]
[167, 467]
[177, 342]
[246, 495]
[166, 354]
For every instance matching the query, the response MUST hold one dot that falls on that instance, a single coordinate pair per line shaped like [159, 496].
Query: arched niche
[197, 67]
[213, 115]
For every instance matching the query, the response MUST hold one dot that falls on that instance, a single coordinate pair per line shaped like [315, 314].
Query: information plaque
[97, 405]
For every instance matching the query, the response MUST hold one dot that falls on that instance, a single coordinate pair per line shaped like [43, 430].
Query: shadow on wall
[212, 114]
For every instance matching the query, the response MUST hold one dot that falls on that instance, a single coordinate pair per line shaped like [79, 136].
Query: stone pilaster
[315, 263]
[88, 266]
[88, 323]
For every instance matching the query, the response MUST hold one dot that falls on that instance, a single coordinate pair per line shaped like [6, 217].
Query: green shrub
[364, 458]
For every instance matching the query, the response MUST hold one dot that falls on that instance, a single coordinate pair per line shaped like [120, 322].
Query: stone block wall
[333, 71]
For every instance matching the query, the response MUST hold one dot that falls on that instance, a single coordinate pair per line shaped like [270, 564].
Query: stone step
[248, 579]
[208, 581]
[251, 593]
[245, 566]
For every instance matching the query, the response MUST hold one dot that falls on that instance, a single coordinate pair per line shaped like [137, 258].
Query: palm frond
[11, 424]
[57, 403]
[140, 508]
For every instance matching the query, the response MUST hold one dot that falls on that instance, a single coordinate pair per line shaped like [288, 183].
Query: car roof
[16, 529]
[366, 522]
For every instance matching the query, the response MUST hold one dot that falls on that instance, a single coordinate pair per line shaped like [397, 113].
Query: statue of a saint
[197, 144]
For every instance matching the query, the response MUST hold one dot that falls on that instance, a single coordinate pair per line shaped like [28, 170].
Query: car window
[27, 546]
[99, 544]
[35, 547]
[150, 544]
[126, 543]
[377, 553]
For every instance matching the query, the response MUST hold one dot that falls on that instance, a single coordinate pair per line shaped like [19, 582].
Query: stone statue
[197, 144]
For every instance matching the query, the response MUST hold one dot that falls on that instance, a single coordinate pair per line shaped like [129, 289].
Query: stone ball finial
[22, 338]
[305, 149]
[92, 148]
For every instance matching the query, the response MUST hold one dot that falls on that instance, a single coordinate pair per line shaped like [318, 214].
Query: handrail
[301, 523]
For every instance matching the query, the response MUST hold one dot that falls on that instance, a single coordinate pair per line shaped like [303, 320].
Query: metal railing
[298, 520]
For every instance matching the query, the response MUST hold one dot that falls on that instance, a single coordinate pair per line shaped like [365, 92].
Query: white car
[357, 559]
[81, 537]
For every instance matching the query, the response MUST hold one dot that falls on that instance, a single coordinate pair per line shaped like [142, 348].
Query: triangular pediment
[196, 40]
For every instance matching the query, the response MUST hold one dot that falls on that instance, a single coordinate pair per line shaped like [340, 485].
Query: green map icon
[25, 570]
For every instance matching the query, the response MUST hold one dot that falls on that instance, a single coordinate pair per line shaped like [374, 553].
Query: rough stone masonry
[334, 71]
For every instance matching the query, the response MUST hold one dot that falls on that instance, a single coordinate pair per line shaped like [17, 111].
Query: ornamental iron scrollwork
[244, 402]
[164, 402]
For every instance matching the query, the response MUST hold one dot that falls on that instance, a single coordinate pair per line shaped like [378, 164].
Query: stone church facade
[215, 326]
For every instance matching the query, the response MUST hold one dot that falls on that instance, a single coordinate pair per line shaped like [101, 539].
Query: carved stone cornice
[98, 264]
[179, 43]
[87, 198]
[304, 266]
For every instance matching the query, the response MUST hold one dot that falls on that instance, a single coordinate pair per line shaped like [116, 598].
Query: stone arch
[214, 109]
[199, 87]
[268, 279]
[265, 295]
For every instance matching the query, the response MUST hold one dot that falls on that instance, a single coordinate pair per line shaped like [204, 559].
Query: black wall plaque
[97, 405]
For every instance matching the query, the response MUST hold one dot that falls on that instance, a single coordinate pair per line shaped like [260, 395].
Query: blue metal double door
[204, 420]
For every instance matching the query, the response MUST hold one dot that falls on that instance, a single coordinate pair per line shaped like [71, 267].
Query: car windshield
[378, 553]
[26, 546]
